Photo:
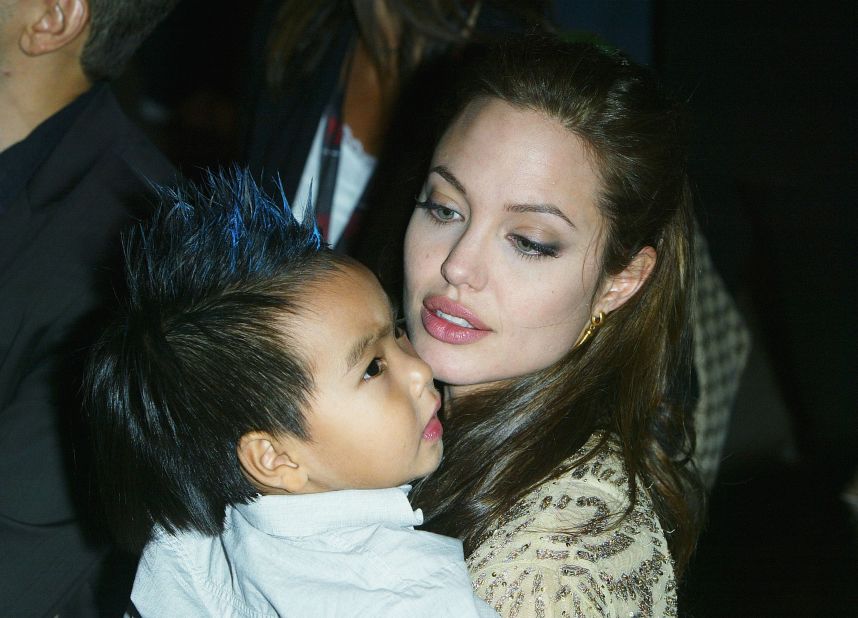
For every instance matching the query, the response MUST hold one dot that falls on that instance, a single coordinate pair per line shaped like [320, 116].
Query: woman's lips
[450, 322]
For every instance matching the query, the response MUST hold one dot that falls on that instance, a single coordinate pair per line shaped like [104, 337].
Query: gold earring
[596, 322]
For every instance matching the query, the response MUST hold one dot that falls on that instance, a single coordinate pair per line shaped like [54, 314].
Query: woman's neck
[369, 97]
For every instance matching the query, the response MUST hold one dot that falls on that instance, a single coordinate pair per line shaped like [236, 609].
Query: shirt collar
[311, 514]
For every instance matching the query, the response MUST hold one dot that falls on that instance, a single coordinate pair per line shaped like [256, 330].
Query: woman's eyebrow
[447, 175]
[548, 209]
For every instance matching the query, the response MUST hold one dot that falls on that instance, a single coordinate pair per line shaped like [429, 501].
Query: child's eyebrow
[360, 346]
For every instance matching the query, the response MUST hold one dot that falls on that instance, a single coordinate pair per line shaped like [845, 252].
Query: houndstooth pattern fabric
[721, 346]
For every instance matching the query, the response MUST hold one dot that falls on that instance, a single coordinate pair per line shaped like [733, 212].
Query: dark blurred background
[771, 89]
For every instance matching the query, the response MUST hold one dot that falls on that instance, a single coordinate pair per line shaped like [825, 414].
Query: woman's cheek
[430, 257]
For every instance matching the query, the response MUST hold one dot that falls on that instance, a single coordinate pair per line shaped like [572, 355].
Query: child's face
[373, 414]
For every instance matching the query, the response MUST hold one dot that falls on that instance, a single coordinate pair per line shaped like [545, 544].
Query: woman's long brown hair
[303, 30]
[505, 440]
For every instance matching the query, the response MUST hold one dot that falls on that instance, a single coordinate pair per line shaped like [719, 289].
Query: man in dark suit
[72, 168]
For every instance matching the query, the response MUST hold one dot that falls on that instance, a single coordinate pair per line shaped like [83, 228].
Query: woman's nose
[465, 264]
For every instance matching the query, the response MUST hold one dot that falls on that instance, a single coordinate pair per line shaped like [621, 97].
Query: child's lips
[433, 430]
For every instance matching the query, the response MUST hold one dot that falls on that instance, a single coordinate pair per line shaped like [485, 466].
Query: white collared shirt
[353, 173]
[342, 553]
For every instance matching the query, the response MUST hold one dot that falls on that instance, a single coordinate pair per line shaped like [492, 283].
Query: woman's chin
[453, 373]
[464, 378]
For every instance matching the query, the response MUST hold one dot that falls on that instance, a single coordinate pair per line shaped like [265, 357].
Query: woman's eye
[374, 369]
[442, 213]
[439, 213]
[532, 248]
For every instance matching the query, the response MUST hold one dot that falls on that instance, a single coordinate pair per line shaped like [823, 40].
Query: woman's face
[502, 251]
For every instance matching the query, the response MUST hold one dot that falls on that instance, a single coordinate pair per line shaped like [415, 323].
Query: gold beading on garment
[563, 550]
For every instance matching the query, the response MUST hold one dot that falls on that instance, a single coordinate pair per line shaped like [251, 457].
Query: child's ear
[622, 286]
[266, 460]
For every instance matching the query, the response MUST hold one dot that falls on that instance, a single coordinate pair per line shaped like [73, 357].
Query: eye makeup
[530, 248]
[438, 213]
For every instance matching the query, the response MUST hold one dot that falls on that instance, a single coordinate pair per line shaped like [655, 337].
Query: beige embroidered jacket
[550, 555]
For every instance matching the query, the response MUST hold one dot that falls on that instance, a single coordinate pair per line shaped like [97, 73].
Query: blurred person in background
[345, 103]
[72, 168]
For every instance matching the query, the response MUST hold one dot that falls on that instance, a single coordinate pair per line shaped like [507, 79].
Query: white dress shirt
[342, 553]
[353, 173]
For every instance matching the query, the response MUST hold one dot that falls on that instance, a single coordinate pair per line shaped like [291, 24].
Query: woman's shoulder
[566, 546]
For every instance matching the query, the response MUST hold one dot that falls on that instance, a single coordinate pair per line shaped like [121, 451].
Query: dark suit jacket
[57, 241]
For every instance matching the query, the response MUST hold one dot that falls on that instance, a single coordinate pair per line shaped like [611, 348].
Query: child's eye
[374, 369]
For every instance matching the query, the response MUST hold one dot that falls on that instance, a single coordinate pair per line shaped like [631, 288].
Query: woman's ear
[622, 286]
[266, 460]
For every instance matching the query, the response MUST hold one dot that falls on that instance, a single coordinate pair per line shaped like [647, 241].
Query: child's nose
[420, 373]
[422, 377]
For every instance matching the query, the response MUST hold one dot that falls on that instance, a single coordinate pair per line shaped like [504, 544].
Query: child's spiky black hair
[201, 353]
[243, 234]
